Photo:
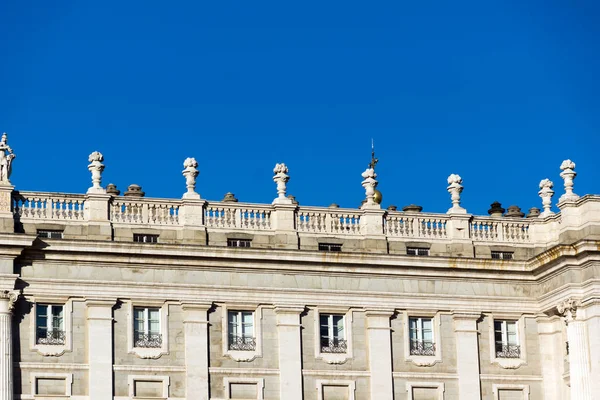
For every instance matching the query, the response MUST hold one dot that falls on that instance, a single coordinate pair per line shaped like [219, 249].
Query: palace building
[106, 296]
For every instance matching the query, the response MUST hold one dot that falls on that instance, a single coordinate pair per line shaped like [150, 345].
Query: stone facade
[110, 297]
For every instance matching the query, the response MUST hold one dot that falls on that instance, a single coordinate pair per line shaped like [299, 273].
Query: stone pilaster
[579, 352]
[467, 355]
[7, 300]
[195, 325]
[551, 347]
[100, 348]
[379, 344]
[290, 352]
[7, 222]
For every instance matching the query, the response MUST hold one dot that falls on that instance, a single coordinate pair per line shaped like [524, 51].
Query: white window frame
[242, 355]
[148, 352]
[421, 360]
[497, 387]
[508, 363]
[429, 385]
[351, 385]
[52, 350]
[165, 380]
[34, 376]
[260, 386]
[333, 358]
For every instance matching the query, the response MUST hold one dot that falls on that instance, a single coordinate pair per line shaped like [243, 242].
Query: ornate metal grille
[53, 338]
[422, 348]
[508, 350]
[334, 345]
[242, 343]
[148, 340]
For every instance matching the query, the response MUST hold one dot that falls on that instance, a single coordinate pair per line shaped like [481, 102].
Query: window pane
[511, 327]
[324, 319]
[138, 320]
[154, 327]
[248, 324]
[233, 323]
[338, 326]
[57, 317]
[498, 326]
[154, 314]
[42, 316]
[427, 325]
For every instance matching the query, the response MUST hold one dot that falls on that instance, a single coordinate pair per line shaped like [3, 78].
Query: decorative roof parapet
[190, 173]
[568, 174]
[455, 188]
[96, 167]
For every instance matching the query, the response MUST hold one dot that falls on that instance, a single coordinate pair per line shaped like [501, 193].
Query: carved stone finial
[546, 194]
[229, 198]
[496, 210]
[568, 309]
[96, 167]
[190, 173]
[455, 188]
[568, 174]
[6, 158]
[281, 178]
[370, 183]
[111, 189]
[134, 190]
[514, 212]
[7, 300]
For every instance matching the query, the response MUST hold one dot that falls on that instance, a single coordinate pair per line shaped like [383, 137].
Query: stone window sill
[509, 363]
[149, 352]
[242, 356]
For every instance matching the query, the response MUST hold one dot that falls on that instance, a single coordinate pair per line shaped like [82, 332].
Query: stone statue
[6, 157]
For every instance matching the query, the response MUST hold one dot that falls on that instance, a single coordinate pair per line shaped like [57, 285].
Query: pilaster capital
[289, 309]
[465, 321]
[379, 312]
[568, 309]
[196, 312]
[7, 301]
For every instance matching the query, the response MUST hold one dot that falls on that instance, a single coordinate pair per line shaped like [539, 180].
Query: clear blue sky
[499, 92]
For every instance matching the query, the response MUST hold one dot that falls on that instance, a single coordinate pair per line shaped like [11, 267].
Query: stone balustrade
[66, 208]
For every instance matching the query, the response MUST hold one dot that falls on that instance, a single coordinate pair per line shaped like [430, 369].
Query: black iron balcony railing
[147, 340]
[508, 350]
[242, 343]
[422, 348]
[52, 338]
[334, 345]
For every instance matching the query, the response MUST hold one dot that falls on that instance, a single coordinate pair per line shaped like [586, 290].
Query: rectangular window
[146, 327]
[421, 336]
[144, 238]
[49, 234]
[238, 242]
[50, 324]
[417, 251]
[333, 335]
[506, 339]
[502, 255]
[241, 330]
[330, 247]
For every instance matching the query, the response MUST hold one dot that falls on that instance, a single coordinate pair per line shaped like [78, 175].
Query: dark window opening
[502, 255]
[145, 238]
[49, 234]
[330, 247]
[238, 242]
[417, 251]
